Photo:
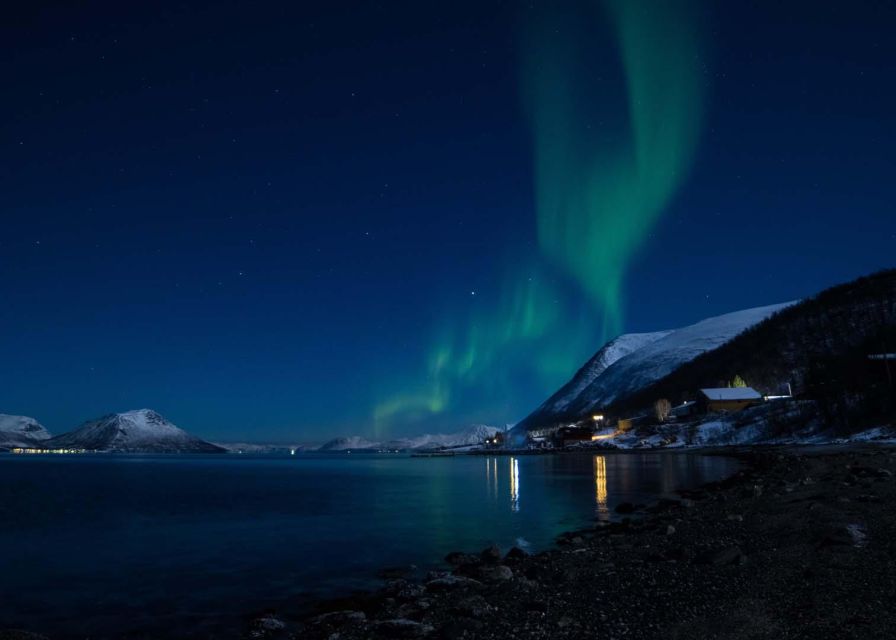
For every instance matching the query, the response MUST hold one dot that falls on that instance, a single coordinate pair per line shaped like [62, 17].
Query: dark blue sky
[259, 219]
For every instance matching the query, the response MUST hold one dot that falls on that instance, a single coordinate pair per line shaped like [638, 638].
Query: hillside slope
[558, 404]
[652, 358]
[820, 347]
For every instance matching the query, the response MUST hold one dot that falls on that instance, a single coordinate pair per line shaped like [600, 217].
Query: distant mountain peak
[473, 434]
[21, 431]
[137, 431]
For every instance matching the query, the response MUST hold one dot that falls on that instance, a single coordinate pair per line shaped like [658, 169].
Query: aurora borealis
[602, 179]
[531, 335]
[293, 221]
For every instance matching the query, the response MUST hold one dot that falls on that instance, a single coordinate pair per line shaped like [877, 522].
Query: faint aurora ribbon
[610, 151]
[601, 181]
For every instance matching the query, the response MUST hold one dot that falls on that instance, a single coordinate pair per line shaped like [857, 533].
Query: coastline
[796, 544]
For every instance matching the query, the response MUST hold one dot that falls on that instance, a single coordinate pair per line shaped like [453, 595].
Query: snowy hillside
[659, 358]
[139, 431]
[647, 358]
[614, 350]
[473, 434]
[20, 431]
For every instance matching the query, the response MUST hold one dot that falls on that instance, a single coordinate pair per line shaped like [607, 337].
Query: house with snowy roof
[728, 399]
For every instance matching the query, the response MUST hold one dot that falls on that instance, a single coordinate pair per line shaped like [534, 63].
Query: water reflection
[491, 477]
[514, 484]
[600, 485]
[289, 517]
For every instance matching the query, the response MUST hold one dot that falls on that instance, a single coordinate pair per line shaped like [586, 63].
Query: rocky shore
[798, 545]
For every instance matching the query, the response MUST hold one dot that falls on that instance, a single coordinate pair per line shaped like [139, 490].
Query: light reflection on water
[212, 537]
[600, 486]
[514, 484]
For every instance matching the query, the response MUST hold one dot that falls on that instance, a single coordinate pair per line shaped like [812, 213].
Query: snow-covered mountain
[348, 443]
[21, 431]
[261, 447]
[139, 431]
[633, 361]
[611, 352]
[474, 434]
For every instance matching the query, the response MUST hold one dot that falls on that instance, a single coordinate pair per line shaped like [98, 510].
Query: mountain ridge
[136, 431]
[474, 434]
[645, 364]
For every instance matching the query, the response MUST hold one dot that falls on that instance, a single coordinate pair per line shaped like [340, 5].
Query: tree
[738, 382]
[661, 408]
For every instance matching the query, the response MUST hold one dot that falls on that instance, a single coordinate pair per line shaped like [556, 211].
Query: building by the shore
[728, 399]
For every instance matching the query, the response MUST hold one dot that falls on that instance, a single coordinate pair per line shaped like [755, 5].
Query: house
[727, 399]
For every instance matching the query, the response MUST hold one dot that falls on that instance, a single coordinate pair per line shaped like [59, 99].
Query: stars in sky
[240, 169]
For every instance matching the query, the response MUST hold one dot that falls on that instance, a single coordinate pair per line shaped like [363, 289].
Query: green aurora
[601, 182]
[608, 157]
[531, 335]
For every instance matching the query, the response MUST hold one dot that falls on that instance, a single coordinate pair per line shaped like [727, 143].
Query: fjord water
[105, 546]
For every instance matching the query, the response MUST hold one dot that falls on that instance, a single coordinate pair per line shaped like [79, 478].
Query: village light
[598, 417]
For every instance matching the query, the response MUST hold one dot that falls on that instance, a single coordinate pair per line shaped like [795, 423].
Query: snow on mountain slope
[473, 434]
[657, 359]
[609, 354]
[633, 361]
[21, 431]
[348, 443]
[139, 431]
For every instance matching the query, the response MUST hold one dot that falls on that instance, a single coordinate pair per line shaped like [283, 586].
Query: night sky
[294, 221]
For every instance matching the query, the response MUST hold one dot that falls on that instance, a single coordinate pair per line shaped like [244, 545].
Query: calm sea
[158, 546]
